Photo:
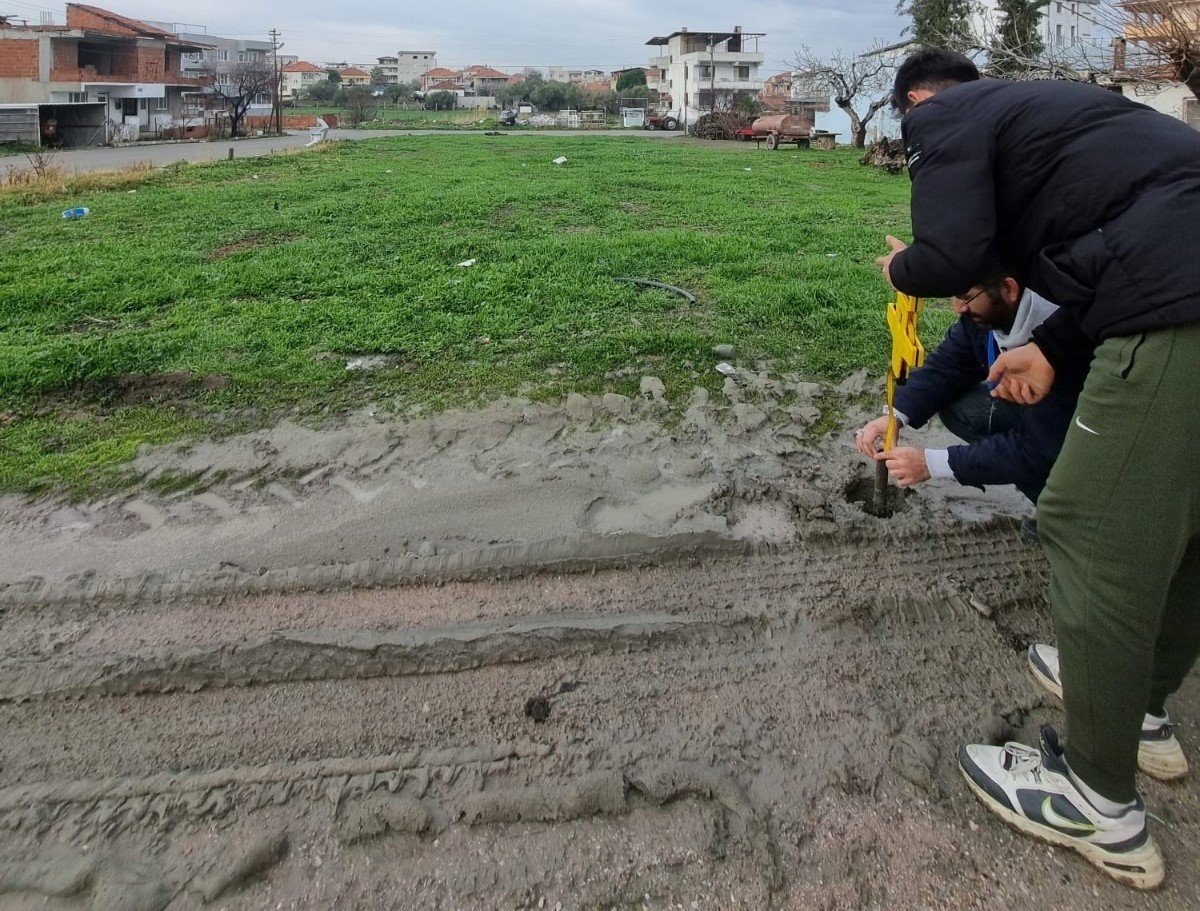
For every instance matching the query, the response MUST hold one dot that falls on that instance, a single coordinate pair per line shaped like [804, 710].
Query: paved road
[114, 159]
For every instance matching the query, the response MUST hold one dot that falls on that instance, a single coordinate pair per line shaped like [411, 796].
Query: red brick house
[111, 71]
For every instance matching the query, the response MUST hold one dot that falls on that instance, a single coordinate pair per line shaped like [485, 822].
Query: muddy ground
[603, 653]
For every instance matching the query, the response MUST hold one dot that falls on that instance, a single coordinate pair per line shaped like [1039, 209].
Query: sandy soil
[603, 654]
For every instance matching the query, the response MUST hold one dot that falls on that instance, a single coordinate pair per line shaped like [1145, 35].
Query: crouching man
[1006, 443]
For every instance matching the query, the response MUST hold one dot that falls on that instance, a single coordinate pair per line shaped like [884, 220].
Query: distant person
[1039, 180]
[1006, 443]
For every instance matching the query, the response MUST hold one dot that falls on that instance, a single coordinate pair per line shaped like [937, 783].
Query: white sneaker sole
[1162, 760]
[1141, 869]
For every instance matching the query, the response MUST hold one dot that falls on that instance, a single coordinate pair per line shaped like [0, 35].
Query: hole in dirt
[861, 493]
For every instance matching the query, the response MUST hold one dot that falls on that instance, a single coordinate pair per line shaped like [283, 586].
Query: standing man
[1093, 201]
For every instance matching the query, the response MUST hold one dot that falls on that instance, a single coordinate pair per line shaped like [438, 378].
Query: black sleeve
[949, 372]
[1063, 341]
[953, 204]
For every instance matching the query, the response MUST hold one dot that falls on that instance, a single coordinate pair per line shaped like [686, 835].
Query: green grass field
[220, 297]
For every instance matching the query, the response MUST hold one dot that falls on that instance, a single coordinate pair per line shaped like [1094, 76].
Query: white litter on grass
[389, 170]
[467, 264]
[832, 255]
[747, 169]
[560, 160]
[255, 177]
[726, 369]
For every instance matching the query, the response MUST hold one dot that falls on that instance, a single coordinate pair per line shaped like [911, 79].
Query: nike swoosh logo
[1083, 426]
[1053, 818]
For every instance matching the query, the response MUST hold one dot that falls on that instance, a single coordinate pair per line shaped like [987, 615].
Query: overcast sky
[607, 34]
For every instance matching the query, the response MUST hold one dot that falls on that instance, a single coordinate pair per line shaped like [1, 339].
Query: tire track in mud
[559, 555]
[310, 655]
[969, 573]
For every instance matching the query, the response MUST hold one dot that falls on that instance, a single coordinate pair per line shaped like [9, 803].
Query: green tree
[556, 96]
[1018, 43]
[333, 76]
[630, 79]
[324, 92]
[401, 93]
[939, 23]
[441, 101]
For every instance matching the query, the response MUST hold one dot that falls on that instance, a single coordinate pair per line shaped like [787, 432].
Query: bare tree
[860, 84]
[361, 104]
[1142, 42]
[238, 86]
[1165, 39]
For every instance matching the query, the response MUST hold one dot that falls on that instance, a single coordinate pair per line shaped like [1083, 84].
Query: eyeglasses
[965, 301]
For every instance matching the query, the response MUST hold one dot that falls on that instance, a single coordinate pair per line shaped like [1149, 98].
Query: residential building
[389, 70]
[575, 75]
[299, 77]
[776, 94]
[128, 73]
[700, 71]
[1072, 27]
[353, 75]
[482, 80]
[411, 64]
[434, 76]
[217, 59]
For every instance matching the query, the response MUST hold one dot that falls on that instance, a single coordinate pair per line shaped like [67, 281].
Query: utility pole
[277, 101]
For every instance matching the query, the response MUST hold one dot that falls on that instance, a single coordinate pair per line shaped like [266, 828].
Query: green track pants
[1120, 523]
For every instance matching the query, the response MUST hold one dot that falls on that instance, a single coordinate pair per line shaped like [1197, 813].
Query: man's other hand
[870, 439]
[885, 262]
[1022, 376]
[906, 466]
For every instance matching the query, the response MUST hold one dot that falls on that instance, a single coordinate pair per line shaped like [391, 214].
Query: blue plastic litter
[75, 213]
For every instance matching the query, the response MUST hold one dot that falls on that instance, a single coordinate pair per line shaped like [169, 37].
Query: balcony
[89, 76]
[737, 58]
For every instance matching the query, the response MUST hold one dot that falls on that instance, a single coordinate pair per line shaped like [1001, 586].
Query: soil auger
[907, 354]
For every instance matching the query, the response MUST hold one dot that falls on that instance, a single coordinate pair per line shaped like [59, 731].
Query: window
[1058, 35]
[76, 97]
[743, 72]
[1074, 34]
[223, 56]
[245, 57]
[704, 71]
[1060, 9]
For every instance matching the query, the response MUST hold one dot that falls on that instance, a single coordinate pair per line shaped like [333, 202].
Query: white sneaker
[1159, 753]
[1032, 791]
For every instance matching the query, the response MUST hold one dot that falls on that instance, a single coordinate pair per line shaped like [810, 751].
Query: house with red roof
[353, 75]
[300, 76]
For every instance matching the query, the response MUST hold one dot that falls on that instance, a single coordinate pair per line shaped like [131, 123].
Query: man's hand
[906, 466]
[885, 262]
[870, 439]
[1022, 375]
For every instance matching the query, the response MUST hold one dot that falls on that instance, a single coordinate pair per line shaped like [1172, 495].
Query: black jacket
[1090, 199]
[1024, 455]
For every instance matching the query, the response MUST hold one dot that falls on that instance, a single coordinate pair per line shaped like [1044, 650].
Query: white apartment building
[702, 70]
[1068, 25]
[411, 64]
[577, 75]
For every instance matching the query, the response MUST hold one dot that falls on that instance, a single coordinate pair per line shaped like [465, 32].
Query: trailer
[778, 129]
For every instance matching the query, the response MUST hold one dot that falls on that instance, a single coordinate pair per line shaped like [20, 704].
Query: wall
[290, 122]
[18, 58]
[1166, 99]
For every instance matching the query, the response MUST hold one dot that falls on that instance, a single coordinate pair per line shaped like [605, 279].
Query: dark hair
[933, 69]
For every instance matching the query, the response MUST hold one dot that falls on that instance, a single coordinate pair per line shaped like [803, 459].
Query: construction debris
[887, 154]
